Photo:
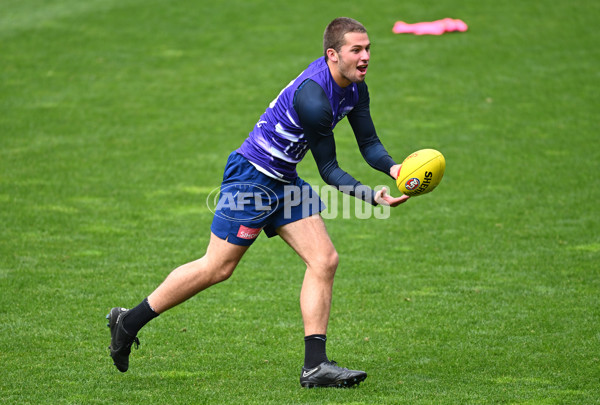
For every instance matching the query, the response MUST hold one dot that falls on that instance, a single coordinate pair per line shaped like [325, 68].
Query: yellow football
[421, 172]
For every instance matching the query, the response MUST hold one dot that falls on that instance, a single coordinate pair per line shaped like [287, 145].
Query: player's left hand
[382, 197]
[395, 171]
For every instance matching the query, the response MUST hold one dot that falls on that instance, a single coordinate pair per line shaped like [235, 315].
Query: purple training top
[276, 143]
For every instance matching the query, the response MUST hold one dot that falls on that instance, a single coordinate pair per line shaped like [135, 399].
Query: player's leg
[310, 240]
[233, 231]
[184, 282]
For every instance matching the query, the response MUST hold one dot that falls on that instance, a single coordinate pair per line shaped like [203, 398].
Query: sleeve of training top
[362, 124]
[314, 111]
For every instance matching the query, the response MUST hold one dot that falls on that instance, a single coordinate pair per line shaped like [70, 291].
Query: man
[302, 117]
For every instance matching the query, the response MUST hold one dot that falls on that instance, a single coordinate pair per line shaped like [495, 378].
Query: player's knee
[327, 263]
[334, 260]
[222, 275]
[223, 271]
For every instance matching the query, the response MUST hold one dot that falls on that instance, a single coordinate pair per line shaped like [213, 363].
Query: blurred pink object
[430, 28]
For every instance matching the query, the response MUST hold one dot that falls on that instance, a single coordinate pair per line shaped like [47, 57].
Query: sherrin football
[421, 172]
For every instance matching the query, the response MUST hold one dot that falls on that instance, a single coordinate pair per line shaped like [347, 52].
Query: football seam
[433, 158]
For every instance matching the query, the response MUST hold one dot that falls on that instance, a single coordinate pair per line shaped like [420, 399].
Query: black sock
[314, 350]
[137, 317]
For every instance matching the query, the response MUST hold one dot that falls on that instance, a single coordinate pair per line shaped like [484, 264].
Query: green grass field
[116, 118]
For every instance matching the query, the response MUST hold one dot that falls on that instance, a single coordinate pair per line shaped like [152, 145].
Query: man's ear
[332, 55]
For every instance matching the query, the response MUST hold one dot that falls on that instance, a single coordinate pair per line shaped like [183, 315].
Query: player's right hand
[382, 197]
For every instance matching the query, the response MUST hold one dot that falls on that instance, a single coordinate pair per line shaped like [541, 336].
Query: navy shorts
[250, 201]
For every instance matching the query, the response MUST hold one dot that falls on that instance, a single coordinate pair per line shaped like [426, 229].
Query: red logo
[248, 233]
[412, 184]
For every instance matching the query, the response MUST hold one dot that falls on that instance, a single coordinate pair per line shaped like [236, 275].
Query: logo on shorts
[412, 184]
[248, 233]
[242, 202]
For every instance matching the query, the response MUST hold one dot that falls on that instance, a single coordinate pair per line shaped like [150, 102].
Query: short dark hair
[335, 31]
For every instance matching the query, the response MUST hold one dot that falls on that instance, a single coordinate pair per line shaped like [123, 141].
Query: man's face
[352, 61]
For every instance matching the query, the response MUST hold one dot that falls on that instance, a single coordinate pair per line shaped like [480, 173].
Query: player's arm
[371, 147]
[315, 114]
[369, 143]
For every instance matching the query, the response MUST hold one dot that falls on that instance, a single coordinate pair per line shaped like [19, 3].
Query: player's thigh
[310, 240]
[222, 254]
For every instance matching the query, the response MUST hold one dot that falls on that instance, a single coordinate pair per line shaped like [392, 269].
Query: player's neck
[337, 75]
